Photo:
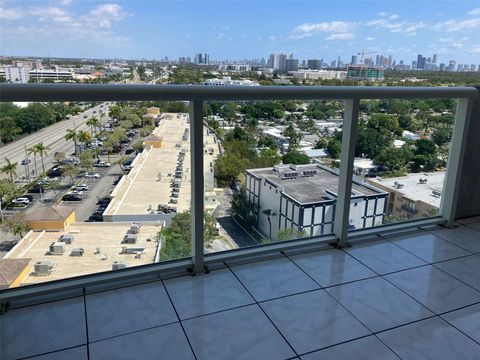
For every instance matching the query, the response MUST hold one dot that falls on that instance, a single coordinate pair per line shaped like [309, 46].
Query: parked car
[102, 164]
[129, 151]
[26, 161]
[92, 175]
[72, 197]
[36, 189]
[127, 167]
[81, 187]
[101, 209]
[21, 201]
[95, 217]
[29, 197]
[103, 201]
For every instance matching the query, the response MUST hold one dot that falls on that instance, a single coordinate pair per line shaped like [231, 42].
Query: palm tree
[84, 137]
[33, 151]
[93, 123]
[269, 213]
[10, 169]
[42, 150]
[72, 135]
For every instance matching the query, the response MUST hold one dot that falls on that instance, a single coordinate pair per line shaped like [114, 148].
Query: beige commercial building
[414, 196]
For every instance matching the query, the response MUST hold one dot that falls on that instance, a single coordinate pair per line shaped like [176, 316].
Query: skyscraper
[354, 60]
[420, 62]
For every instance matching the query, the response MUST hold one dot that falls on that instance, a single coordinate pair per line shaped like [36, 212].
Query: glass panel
[105, 180]
[401, 157]
[273, 175]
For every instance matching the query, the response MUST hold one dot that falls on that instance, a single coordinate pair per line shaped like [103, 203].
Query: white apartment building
[52, 74]
[319, 74]
[15, 74]
[304, 197]
[227, 81]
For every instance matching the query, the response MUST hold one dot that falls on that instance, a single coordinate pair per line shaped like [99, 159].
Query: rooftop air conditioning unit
[57, 248]
[134, 228]
[67, 239]
[117, 265]
[43, 268]
[129, 239]
[77, 252]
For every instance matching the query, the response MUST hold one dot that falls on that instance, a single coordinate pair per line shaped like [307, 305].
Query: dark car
[129, 151]
[72, 197]
[36, 189]
[95, 217]
[104, 201]
[55, 172]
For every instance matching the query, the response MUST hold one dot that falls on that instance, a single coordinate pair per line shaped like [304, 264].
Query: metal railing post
[196, 160]
[349, 137]
[448, 203]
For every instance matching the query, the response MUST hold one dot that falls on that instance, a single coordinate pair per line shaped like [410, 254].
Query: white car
[102, 164]
[92, 176]
[81, 187]
[21, 200]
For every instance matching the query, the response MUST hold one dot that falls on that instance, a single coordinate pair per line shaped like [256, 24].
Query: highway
[52, 136]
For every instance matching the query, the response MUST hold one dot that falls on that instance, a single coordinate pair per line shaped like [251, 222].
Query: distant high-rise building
[202, 59]
[472, 67]
[442, 67]
[184, 60]
[354, 60]
[339, 62]
[451, 65]
[270, 61]
[314, 64]
[333, 63]
[459, 67]
[434, 60]
[291, 65]
[414, 64]
[420, 62]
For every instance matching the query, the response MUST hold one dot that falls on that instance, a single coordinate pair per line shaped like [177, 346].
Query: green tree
[42, 151]
[441, 136]
[85, 138]
[291, 234]
[93, 123]
[10, 169]
[334, 147]
[33, 151]
[295, 157]
[72, 135]
[228, 167]
[392, 158]
[15, 225]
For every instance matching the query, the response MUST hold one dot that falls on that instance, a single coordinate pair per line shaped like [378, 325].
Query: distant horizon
[238, 30]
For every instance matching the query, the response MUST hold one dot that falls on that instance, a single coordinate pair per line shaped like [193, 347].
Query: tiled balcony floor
[415, 296]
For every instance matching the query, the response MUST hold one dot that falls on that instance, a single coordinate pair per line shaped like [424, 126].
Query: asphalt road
[235, 231]
[52, 136]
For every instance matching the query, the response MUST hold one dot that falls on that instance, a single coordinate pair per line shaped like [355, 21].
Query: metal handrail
[78, 92]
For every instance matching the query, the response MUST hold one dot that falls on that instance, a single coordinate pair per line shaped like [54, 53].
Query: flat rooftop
[413, 189]
[148, 183]
[88, 236]
[313, 188]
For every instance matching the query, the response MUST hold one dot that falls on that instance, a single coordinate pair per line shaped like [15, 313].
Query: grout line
[179, 321]
[262, 310]
[52, 352]
[86, 323]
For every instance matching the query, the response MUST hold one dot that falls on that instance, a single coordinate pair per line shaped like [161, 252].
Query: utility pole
[27, 167]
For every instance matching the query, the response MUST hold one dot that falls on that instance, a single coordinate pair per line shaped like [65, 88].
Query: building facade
[303, 197]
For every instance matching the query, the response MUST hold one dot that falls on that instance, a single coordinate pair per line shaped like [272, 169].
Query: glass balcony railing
[197, 193]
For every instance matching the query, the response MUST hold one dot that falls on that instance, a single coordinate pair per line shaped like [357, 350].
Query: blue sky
[232, 29]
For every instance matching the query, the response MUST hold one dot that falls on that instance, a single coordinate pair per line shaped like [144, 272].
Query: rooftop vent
[422, 181]
[77, 252]
[134, 228]
[129, 239]
[67, 239]
[43, 268]
[57, 248]
[398, 185]
[436, 193]
[117, 265]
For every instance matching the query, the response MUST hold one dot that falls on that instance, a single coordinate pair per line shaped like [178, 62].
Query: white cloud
[341, 36]
[309, 29]
[50, 14]
[404, 27]
[10, 14]
[382, 14]
[474, 11]
[369, 38]
[104, 15]
[458, 25]
[393, 17]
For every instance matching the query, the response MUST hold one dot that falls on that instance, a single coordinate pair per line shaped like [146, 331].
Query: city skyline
[240, 30]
